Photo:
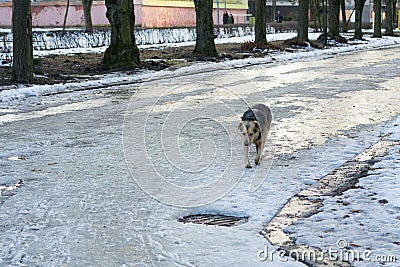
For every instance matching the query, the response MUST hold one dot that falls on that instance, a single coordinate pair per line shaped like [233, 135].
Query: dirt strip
[310, 200]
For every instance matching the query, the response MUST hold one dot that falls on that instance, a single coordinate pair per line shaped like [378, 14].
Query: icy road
[101, 177]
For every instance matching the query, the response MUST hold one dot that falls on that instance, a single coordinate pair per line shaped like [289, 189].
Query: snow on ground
[362, 224]
[376, 206]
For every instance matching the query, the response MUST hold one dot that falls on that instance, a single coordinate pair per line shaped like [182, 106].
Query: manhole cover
[214, 219]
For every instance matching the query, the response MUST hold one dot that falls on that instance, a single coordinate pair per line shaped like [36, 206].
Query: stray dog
[254, 128]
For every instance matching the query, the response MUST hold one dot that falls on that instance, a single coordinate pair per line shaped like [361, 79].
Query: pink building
[149, 13]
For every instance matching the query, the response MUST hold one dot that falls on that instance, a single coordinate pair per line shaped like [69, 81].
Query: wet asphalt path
[70, 166]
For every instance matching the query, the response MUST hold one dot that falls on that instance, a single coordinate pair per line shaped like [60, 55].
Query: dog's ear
[240, 126]
[257, 124]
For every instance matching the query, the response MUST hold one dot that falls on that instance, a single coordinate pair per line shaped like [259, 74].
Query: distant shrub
[72, 38]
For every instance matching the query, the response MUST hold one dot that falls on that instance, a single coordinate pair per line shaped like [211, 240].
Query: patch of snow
[366, 219]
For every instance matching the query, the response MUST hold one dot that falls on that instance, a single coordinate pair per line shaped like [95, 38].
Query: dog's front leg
[259, 147]
[246, 157]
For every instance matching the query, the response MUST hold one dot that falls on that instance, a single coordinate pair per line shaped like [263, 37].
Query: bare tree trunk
[317, 14]
[87, 13]
[325, 19]
[314, 14]
[302, 31]
[378, 19]
[65, 17]
[123, 51]
[273, 11]
[261, 23]
[205, 45]
[22, 41]
[344, 19]
[359, 6]
[389, 18]
[333, 17]
[321, 14]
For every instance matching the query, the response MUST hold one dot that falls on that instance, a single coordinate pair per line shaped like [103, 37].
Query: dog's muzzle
[246, 143]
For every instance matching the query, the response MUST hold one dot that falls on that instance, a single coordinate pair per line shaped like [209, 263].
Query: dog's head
[250, 131]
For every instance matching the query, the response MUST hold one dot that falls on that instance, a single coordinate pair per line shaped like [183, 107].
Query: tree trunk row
[123, 51]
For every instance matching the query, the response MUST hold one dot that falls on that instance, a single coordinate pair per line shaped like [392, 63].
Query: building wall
[148, 13]
[51, 14]
[153, 16]
[5, 14]
[170, 13]
[54, 15]
[180, 16]
[5, 17]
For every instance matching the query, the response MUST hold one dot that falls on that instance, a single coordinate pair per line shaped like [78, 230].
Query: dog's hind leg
[246, 157]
